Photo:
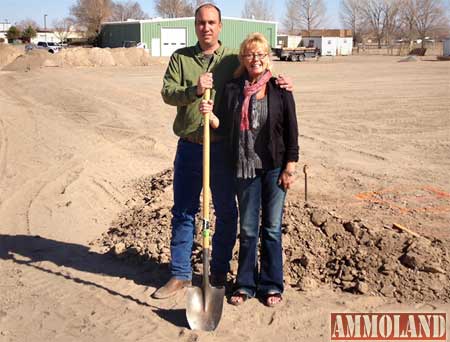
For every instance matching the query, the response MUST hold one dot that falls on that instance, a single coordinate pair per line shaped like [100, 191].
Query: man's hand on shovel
[205, 107]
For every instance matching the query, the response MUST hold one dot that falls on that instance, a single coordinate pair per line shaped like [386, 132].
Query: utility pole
[45, 27]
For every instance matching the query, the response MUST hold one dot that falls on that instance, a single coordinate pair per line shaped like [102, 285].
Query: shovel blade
[204, 307]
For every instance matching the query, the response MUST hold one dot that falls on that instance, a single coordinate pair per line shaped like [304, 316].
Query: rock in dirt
[330, 228]
[362, 287]
[307, 284]
[353, 228]
[388, 290]
[119, 248]
[319, 217]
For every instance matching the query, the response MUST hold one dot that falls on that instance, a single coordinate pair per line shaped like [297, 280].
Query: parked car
[29, 47]
[132, 43]
[49, 46]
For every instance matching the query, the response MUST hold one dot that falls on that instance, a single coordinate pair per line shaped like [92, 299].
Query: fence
[398, 49]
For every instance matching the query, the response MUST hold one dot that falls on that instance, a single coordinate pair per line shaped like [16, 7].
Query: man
[189, 73]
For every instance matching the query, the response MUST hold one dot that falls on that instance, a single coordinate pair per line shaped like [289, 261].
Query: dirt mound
[30, 61]
[131, 56]
[8, 53]
[91, 57]
[319, 248]
[79, 57]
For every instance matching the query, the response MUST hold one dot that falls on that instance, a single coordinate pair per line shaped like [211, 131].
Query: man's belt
[198, 139]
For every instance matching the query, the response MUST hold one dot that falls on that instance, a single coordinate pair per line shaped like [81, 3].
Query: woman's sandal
[238, 298]
[273, 299]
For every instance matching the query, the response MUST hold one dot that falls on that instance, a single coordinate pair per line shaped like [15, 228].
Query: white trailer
[328, 46]
[345, 46]
[447, 47]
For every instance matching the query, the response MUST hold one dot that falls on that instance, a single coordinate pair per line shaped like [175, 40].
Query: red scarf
[249, 90]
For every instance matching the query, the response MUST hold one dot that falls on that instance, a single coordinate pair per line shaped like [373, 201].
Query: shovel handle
[206, 162]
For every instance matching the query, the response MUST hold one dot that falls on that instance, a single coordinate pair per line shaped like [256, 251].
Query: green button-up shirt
[180, 84]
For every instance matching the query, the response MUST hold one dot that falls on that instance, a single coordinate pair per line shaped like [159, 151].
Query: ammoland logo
[388, 327]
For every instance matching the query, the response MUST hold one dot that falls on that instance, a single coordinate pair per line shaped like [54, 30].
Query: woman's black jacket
[282, 120]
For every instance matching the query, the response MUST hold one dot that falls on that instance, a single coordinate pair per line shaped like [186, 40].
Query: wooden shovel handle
[206, 161]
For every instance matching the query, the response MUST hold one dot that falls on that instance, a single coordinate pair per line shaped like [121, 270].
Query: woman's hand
[287, 177]
[285, 82]
[206, 107]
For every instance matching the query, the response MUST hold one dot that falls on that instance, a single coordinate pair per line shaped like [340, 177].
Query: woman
[260, 119]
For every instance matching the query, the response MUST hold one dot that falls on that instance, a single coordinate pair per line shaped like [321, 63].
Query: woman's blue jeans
[187, 185]
[261, 192]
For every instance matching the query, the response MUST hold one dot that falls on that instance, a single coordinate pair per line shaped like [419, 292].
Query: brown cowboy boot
[171, 288]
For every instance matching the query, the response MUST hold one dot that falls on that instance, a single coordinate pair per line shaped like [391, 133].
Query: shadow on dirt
[31, 250]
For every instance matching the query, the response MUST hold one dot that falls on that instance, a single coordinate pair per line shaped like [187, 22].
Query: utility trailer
[298, 54]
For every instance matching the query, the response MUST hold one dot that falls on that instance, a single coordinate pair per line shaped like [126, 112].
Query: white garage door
[172, 39]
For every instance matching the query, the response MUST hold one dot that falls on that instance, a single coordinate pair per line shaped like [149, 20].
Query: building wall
[312, 42]
[45, 37]
[152, 31]
[331, 46]
[233, 32]
[113, 35]
[4, 27]
[447, 47]
[288, 41]
[345, 46]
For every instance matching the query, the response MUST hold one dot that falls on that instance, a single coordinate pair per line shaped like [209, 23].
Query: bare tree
[122, 11]
[311, 13]
[291, 21]
[62, 28]
[380, 17]
[22, 25]
[197, 3]
[257, 9]
[91, 14]
[391, 20]
[430, 16]
[174, 8]
[352, 17]
[407, 17]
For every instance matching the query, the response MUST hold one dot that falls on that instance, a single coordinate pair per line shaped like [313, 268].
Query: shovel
[205, 304]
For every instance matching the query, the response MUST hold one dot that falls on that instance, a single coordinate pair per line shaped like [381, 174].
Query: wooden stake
[402, 228]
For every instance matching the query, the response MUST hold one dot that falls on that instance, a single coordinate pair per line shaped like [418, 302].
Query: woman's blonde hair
[255, 39]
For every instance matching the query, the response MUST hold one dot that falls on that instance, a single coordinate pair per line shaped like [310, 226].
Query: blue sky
[15, 11]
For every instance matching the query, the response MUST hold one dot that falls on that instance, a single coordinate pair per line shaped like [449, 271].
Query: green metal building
[164, 36]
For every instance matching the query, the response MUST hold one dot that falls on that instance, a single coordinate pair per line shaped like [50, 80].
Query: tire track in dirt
[103, 187]
[33, 188]
[67, 174]
[335, 146]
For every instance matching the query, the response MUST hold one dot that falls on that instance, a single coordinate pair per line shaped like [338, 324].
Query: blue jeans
[261, 192]
[187, 185]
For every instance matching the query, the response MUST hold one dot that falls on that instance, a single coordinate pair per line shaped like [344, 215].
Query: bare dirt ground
[79, 148]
